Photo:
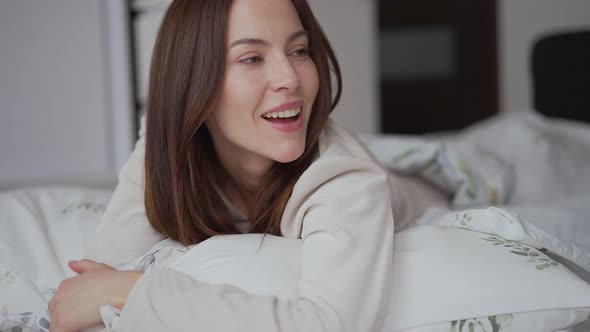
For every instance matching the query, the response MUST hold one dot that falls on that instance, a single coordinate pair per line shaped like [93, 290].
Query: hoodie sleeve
[124, 232]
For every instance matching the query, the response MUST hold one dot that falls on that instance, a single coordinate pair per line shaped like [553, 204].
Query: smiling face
[269, 86]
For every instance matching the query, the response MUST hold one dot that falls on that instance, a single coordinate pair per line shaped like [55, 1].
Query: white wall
[59, 96]
[351, 27]
[64, 118]
[520, 23]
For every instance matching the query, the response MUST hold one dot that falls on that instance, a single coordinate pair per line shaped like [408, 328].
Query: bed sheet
[47, 226]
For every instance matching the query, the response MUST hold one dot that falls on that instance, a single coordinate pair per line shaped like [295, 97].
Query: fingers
[51, 305]
[75, 304]
[86, 265]
[61, 314]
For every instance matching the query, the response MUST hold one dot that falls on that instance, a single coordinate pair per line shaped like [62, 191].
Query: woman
[238, 140]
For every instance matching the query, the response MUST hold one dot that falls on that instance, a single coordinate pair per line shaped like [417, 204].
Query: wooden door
[438, 64]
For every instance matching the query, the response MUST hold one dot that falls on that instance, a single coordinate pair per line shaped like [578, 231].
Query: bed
[521, 265]
[512, 255]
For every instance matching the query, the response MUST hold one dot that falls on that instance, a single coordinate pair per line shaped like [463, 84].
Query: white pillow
[441, 275]
[563, 229]
[535, 321]
[445, 274]
[554, 228]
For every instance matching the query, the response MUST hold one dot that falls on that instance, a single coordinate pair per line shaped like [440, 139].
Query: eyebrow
[254, 41]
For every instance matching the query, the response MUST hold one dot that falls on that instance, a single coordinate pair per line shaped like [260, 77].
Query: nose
[282, 75]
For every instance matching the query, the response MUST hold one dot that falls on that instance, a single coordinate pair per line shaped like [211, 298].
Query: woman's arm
[75, 305]
[125, 232]
[346, 225]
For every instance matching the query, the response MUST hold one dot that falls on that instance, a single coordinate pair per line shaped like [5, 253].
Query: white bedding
[455, 265]
[522, 161]
[536, 167]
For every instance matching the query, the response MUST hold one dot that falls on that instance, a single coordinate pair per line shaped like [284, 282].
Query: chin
[289, 153]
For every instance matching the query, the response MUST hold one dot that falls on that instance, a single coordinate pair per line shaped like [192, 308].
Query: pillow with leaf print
[445, 279]
[454, 279]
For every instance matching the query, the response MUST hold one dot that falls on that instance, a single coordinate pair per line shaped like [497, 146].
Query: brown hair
[186, 77]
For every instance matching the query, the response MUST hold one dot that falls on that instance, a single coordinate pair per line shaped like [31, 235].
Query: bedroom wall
[58, 76]
[351, 26]
[65, 107]
[520, 23]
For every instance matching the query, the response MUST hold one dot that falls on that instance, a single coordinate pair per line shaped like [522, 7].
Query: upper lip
[286, 106]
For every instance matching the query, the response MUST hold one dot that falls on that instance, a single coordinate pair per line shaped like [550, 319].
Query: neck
[244, 178]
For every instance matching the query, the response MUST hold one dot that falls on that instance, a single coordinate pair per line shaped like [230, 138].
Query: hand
[77, 301]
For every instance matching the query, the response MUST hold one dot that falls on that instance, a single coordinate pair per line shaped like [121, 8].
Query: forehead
[262, 19]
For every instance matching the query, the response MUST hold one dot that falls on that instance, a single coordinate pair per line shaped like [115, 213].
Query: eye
[302, 52]
[251, 60]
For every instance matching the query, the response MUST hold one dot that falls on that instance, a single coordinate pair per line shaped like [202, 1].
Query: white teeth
[283, 114]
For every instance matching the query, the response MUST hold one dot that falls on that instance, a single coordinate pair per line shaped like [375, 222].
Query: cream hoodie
[342, 208]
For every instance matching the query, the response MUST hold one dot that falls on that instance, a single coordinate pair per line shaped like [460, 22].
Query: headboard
[561, 75]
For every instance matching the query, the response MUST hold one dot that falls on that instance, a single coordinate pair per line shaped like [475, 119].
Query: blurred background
[73, 73]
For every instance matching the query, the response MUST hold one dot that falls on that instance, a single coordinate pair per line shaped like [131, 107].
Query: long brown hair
[186, 77]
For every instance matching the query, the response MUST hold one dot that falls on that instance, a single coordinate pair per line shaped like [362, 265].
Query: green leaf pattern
[464, 219]
[407, 153]
[47, 293]
[111, 324]
[535, 256]
[486, 324]
[84, 206]
[494, 198]
[430, 163]
[7, 277]
[471, 182]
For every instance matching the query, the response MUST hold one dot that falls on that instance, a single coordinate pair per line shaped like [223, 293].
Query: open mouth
[286, 116]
